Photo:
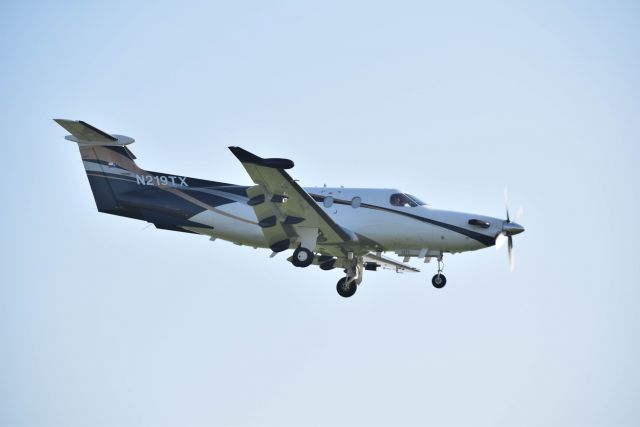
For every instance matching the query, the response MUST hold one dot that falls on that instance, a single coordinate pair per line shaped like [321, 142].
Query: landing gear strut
[438, 281]
[348, 285]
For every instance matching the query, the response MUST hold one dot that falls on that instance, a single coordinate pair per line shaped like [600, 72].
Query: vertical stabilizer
[109, 164]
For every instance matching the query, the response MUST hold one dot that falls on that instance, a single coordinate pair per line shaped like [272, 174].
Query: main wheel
[302, 257]
[439, 281]
[346, 288]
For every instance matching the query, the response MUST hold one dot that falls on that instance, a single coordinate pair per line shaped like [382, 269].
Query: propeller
[509, 229]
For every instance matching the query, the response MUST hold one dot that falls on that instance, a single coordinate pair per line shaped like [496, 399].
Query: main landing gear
[302, 257]
[348, 285]
[353, 269]
[438, 281]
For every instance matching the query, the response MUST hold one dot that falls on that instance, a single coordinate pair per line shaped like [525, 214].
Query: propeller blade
[506, 203]
[500, 239]
[511, 258]
[518, 214]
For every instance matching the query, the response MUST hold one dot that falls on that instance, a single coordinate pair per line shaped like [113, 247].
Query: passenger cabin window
[404, 200]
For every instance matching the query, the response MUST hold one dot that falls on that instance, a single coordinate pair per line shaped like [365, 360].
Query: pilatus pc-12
[344, 228]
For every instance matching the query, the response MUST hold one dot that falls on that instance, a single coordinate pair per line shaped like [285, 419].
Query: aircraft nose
[512, 228]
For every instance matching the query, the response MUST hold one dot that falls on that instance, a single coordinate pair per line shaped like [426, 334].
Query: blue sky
[104, 322]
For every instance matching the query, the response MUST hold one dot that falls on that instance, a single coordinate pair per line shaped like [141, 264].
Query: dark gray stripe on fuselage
[482, 238]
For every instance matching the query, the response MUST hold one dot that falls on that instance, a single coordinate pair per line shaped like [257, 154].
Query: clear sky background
[106, 323]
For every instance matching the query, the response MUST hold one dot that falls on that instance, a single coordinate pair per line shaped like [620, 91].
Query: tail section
[109, 164]
[121, 187]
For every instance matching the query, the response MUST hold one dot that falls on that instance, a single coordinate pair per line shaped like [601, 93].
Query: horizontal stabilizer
[83, 133]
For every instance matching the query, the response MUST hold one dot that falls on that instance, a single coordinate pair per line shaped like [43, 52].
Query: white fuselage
[370, 214]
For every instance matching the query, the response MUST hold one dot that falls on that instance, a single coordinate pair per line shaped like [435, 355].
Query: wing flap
[276, 234]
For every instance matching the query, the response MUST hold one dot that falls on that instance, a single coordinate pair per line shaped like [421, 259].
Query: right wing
[284, 210]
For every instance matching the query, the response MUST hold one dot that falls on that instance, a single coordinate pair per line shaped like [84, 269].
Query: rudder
[109, 164]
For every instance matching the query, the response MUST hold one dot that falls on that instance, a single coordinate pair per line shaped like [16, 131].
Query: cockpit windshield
[404, 199]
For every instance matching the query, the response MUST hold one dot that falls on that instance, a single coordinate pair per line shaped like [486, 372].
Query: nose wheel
[439, 280]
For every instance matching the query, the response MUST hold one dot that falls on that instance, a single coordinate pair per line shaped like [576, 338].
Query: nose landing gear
[439, 280]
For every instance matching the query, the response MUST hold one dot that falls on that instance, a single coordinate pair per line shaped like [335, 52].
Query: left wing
[284, 210]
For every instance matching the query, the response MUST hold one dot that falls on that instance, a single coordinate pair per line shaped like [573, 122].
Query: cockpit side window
[417, 201]
[404, 200]
[399, 199]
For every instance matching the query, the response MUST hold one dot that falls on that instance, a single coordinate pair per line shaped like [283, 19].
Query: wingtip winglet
[246, 157]
[62, 122]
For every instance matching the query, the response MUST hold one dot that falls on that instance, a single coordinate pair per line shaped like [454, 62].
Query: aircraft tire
[326, 267]
[348, 290]
[438, 281]
[302, 257]
[329, 265]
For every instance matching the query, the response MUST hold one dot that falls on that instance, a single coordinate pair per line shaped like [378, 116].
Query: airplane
[344, 228]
